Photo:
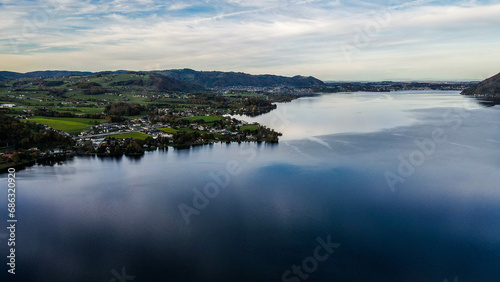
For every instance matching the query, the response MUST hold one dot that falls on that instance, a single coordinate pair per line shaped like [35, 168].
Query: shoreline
[63, 157]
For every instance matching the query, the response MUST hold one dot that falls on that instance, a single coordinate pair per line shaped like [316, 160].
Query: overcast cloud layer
[332, 40]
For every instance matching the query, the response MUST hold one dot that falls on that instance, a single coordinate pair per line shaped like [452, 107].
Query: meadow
[135, 135]
[69, 125]
[168, 130]
[251, 127]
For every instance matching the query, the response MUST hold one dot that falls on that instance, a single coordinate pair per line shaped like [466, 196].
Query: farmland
[250, 127]
[168, 130]
[69, 125]
[134, 135]
[127, 103]
[81, 110]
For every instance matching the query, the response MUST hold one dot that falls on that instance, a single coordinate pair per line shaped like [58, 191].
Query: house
[7, 105]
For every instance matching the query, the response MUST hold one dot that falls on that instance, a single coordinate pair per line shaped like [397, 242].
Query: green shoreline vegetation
[114, 114]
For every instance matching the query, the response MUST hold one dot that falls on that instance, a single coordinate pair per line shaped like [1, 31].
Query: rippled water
[437, 217]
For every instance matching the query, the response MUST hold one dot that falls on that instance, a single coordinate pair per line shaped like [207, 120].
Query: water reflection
[90, 215]
[360, 112]
[488, 102]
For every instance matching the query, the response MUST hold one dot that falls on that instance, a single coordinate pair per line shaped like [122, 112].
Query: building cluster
[275, 90]
[97, 135]
[3, 106]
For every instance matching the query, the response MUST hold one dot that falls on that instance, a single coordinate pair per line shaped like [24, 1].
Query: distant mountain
[489, 88]
[159, 82]
[16, 75]
[148, 80]
[4, 75]
[225, 79]
[191, 79]
[165, 83]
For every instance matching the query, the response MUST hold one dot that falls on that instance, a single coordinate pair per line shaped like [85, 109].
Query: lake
[398, 186]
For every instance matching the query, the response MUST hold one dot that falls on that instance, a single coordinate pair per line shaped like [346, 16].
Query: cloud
[414, 39]
[178, 6]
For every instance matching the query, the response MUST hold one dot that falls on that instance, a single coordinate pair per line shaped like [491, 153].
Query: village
[207, 127]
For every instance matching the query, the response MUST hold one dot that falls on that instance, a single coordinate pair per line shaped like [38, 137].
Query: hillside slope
[4, 75]
[165, 83]
[225, 79]
[489, 88]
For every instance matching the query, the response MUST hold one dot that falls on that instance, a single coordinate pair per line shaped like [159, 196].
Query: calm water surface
[87, 219]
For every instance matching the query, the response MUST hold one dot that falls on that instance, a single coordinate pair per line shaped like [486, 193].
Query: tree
[134, 148]
[15, 158]
[124, 109]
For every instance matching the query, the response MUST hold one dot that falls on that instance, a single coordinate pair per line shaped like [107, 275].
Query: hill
[148, 80]
[226, 79]
[489, 88]
[165, 83]
[157, 81]
[4, 75]
[186, 79]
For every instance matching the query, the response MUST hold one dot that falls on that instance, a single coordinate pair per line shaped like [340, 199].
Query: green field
[81, 110]
[251, 127]
[87, 121]
[69, 125]
[168, 130]
[135, 135]
[204, 118]
[170, 100]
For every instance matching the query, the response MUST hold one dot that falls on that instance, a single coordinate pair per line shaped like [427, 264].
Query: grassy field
[87, 121]
[205, 118]
[136, 99]
[82, 110]
[135, 135]
[168, 130]
[251, 127]
[69, 125]
[170, 100]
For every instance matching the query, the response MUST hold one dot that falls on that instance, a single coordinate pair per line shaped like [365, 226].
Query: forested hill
[99, 83]
[489, 88]
[4, 75]
[189, 78]
[225, 79]
[24, 135]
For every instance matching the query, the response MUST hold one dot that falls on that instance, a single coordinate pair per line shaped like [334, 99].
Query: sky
[332, 40]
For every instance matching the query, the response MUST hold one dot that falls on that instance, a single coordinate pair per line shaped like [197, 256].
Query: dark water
[89, 218]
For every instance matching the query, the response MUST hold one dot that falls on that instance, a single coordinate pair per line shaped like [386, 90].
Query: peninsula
[488, 88]
[58, 113]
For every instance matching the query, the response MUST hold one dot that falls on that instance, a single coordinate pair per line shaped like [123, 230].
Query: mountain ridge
[213, 79]
[207, 79]
[4, 75]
